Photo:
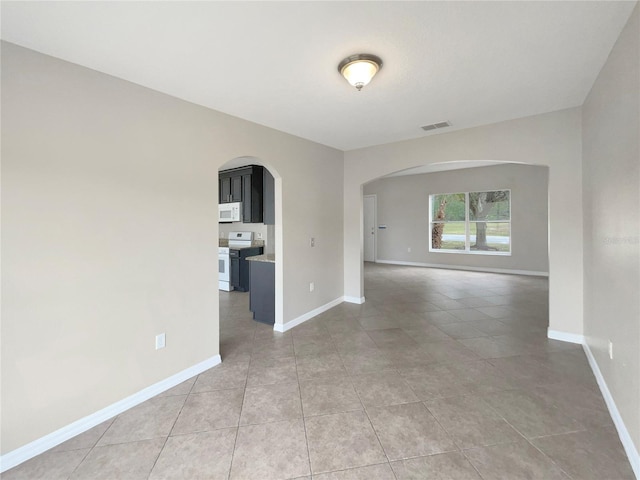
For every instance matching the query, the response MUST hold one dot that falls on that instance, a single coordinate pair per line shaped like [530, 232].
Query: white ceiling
[275, 63]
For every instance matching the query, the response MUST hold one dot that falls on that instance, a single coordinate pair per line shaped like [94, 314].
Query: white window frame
[467, 225]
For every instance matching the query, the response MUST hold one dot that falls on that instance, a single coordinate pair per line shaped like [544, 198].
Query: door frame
[375, 222]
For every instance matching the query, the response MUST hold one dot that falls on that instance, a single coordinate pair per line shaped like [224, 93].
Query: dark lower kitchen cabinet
[239, 271]
[262, 299]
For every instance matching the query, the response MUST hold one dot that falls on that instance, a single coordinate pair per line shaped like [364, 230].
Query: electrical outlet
[409, 249]
[161, 341]
[259, 236]
[312, 242]
[311, 287]
[610, 350]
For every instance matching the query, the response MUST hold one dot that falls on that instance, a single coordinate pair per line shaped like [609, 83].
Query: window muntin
[471, 222]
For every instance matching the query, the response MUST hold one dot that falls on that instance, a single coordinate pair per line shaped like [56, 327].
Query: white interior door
[369, 228]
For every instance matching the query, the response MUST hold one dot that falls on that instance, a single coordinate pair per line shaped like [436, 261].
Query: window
[471, 222]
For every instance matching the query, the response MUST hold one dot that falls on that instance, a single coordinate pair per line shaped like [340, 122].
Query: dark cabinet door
[246, 199]
[268, 207]
[262, 299]
[235, 275]
[230, 188]
[224, 189]
[244, 185]
[252, 196]
[236, 188]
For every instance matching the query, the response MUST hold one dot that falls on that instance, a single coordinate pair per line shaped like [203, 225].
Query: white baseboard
[30, 450]
[279, 327]
[472, 269]
[357, 300]
[623, 433]
[565, 336]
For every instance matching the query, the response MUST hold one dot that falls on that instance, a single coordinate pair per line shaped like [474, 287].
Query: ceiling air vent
[433, 126]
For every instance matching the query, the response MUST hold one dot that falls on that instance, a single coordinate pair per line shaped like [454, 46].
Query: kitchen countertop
[224, 242]
[267, 257]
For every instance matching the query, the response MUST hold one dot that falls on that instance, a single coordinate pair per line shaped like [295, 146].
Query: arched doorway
[234, 304]
[403, 230]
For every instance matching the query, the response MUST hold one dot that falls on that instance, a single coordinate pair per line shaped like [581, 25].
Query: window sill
[472, 252]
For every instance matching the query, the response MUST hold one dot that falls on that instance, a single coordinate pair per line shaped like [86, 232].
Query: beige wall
[403, 205]
[109, 219]
[551, 139]
[611, 182]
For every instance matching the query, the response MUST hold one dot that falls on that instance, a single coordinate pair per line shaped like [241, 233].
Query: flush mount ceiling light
[359, 69]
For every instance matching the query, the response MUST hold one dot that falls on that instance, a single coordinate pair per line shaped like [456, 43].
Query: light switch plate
[161, 341]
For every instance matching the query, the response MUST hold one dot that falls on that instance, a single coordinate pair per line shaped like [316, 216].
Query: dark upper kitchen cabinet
[230, 188]
[252, 196]
[268, 207]
[244, 184]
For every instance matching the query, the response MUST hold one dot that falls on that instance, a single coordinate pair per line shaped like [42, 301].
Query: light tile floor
[440, 374]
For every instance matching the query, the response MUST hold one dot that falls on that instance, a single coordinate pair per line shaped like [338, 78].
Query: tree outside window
[471, 222]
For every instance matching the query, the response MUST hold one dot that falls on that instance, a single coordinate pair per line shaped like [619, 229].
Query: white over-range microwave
[230, 212]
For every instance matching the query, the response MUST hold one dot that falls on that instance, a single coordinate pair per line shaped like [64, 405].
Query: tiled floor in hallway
[440, 374]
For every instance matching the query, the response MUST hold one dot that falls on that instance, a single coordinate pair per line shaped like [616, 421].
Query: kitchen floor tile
[443, 466]
[341, 441]
[312, 327]
[489, 347]
[269, 371]
[531, 414]
[391, 337]
[607, 458]
[351, 342]
[271, 403]
[183, 388]
[462, 330]
[372, 472]
[469, 314]
[270, 450]
[471, 422]
[132, 461]
[313, 345]
[48, 466]
[207, 411]
[313, 366]
[272, 348]
[520, 459]
[197, 455]
[321, 396]
[380, 389]
[229, 374]
[87, 439]
[366, 360]
[409, 430]
[151, 419]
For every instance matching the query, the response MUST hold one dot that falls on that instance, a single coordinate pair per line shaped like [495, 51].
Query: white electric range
[236, 240]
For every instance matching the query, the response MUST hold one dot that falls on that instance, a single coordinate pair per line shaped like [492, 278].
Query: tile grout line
[304, 423]
[91, 449]
[172, 427]
[364, 409]
[235, 441]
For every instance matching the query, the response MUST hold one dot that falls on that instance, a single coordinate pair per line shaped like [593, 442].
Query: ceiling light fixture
[359, 69]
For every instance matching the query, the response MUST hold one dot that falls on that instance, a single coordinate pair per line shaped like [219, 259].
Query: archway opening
[405, 229]
[257, 230]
